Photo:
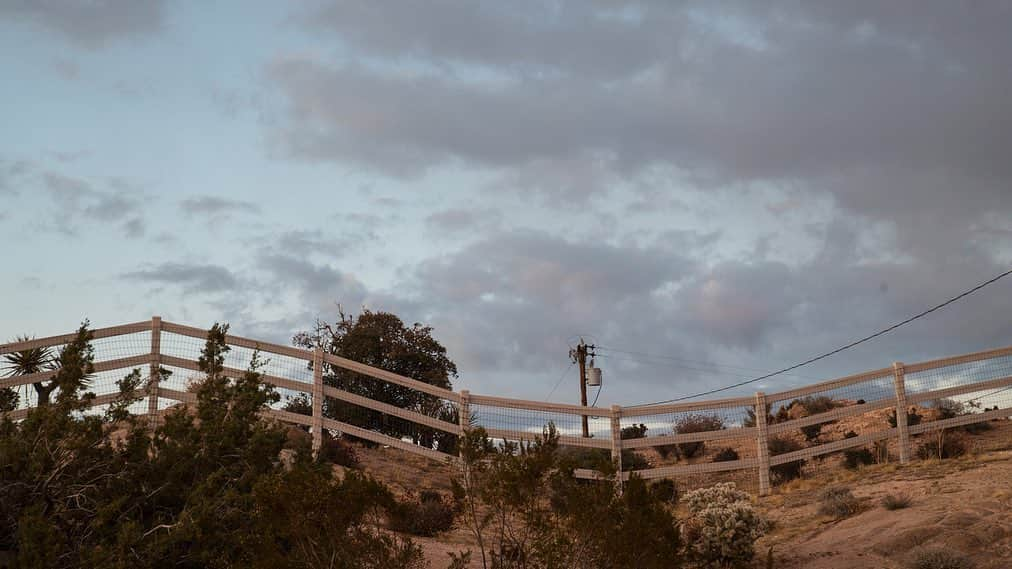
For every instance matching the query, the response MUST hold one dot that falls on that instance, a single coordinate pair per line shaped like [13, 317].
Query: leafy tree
[381, 340]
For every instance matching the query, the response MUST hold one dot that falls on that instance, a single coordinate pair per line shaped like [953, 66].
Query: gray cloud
[212, 206]
[78, 201]
[11, 175]
[864, 102]
[317, 287]
[91, 24]
[191, 277]
[457, 220]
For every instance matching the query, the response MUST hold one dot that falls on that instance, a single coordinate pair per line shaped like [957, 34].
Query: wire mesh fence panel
[523, 421]
[695, 445]
[832, 425]
[435, 430]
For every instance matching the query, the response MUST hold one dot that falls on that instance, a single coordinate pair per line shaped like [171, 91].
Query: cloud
[458, 220]
[212, 206]
[893, 115]
[317, 287]
[12, 173]
[91, 24]
[191, 277]
[78, 201]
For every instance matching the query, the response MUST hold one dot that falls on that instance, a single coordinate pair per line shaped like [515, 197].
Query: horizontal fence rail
[745, 430]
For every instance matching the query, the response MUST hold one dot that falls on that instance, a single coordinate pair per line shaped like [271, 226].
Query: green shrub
[838, 503]
[665, 491]
[811, 432]
[429, 516]
[633, 460]
[948, 408]
[726, 454]
[854, 457]
[788, 470]
[938, 558]
[524, 508]
[895, 501]
[722, 526]
[634, 432]
[941, 447]
[978, 428]
[815, 404]
[667, 450]
[913, 418]
[590, 458]
[338, 451]
[696, 424]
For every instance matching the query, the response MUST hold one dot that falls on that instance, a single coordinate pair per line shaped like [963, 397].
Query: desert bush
[525, 509]
[696, 424]
[667, 450]
[338, 451]
[590, 458]
[948, 408]
[429, 516]
[938, 558]
[300, 404]
[838, 503]
[811, 432]
[726, 454]
[941, 447]
[788, 470]
[634, 432]
[895, 501]
[978, 428]
[815, 404]
[913, 418]
[632, 460]
[854, 457]
[722, 526]
[665, 491]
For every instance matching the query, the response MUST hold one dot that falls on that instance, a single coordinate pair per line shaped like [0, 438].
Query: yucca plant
[31, 361]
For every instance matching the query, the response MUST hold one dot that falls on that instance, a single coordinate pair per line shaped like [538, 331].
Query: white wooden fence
[982, 376]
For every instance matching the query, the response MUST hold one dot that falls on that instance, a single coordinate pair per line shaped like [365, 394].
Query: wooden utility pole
[580, 356]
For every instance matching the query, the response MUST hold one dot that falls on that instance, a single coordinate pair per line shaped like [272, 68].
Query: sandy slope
[963, 504]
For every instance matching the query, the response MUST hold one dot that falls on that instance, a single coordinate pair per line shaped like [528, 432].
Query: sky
[730, 187]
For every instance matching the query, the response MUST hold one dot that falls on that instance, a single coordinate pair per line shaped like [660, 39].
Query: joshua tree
[30, 361]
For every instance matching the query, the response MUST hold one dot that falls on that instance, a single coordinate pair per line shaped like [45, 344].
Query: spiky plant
[31, 361]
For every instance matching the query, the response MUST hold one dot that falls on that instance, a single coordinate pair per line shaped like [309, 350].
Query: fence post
[155, 372]
[762, 444]
[616, 444]
[901, 412]
[317, 400]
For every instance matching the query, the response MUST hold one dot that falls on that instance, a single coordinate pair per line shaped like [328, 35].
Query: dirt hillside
[962, 504]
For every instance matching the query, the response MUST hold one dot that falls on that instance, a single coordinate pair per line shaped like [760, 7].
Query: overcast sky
[735, 183]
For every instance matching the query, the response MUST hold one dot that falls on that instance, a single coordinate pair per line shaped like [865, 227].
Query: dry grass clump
[838, 503]
[896, 501]
[938, 558]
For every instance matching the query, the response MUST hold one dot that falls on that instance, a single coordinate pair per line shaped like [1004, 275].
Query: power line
[594, 404]
[559, 382]
[840, 349]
